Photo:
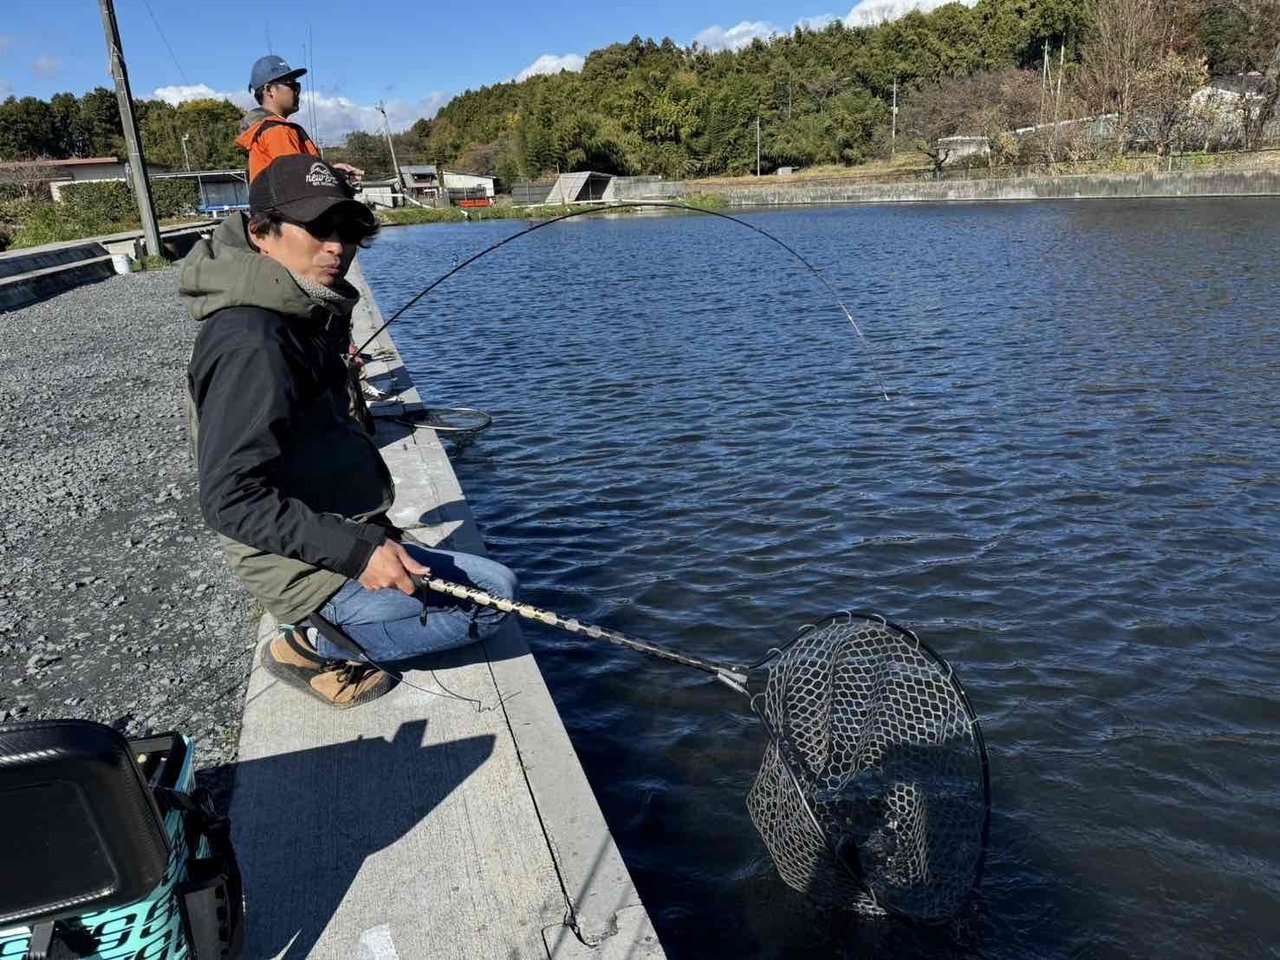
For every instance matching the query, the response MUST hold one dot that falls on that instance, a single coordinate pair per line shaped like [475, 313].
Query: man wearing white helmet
[266, 132]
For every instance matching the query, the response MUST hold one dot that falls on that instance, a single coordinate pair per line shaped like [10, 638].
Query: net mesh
[872, 794]
[460, 425]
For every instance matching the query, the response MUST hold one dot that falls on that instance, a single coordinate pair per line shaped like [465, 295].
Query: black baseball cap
[303, 188]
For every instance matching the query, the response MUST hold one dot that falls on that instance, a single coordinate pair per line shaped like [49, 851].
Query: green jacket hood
[254, 116]
[226, 270]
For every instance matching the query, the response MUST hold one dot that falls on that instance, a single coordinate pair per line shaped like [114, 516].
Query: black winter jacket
[292, 483]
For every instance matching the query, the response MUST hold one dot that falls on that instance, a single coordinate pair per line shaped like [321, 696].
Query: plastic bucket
[122, 263]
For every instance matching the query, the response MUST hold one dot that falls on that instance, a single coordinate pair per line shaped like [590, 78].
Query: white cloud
[6, 88]
[335, 117]
[549, 63]
[737, 37]
[815, 24]
[181, 93]
[869, 12]
[46, 66]
[864, 13]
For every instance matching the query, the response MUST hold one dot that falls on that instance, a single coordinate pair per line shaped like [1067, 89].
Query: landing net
[461, 425]
[873, 792]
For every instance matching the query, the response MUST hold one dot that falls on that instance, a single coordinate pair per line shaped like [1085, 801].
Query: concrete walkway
[423, 825]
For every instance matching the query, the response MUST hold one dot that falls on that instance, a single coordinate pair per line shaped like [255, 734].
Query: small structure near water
[427, 183]
[584, 187]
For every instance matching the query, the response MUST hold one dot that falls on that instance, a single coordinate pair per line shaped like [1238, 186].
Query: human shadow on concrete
[506, 644]
[455, 517]
[304, 823]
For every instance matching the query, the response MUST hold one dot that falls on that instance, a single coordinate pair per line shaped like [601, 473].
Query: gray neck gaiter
[335, 301]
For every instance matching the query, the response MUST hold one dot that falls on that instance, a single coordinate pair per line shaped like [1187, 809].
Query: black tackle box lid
[79, 827]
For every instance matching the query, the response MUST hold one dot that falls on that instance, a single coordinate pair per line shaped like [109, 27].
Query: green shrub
[99, 202]
[111, 202]
[706, 201]
[401, 216]
[14, 212]
[52, 223]
[89, 208]
[150, 262]
[175, 198]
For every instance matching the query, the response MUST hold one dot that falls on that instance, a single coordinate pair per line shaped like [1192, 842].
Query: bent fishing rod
[730, 674]
[660, 204]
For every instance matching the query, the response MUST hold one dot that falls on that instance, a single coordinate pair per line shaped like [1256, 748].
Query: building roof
[430, 170]
[237, 174]
[73, 162]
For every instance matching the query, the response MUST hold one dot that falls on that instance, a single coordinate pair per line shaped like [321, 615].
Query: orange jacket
[269, 139]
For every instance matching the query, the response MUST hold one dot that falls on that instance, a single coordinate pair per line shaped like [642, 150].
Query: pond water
[1072, 494]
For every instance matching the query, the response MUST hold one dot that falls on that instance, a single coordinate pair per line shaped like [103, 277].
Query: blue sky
[413, 55]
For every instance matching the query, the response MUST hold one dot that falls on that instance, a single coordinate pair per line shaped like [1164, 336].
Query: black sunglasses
[327, 226]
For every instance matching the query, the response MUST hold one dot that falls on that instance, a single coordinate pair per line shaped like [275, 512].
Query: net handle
[729, 674]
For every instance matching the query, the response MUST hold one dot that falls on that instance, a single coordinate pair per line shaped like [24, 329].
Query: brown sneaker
[340, 683]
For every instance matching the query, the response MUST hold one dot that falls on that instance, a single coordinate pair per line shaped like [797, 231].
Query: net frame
[795, 822]
[462, 425]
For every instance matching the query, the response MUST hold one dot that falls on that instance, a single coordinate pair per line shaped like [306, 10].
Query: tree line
[67, 126]
[825, 97]
[820, 97]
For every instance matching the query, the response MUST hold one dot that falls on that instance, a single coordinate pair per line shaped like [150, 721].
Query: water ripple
[1074, 495]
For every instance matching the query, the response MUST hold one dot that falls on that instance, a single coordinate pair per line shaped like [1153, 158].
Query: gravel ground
[115, 602]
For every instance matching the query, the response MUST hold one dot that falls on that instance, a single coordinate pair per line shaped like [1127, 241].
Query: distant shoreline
[1109, 186]
[777, 192]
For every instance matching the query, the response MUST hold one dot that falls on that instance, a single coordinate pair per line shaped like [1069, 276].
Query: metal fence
[528, 194]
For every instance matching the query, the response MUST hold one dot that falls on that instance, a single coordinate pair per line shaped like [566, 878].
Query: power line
[172, 56]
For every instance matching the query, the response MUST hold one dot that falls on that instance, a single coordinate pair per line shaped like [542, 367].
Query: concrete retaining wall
[36, 273]
[41, 258]
[645, 188]
[1223, 183]
[27, 276]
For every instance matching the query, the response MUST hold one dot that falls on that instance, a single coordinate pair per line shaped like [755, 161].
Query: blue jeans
[389, 624]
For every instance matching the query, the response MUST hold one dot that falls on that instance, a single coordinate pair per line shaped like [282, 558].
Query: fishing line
[344, 641]
[662, 204]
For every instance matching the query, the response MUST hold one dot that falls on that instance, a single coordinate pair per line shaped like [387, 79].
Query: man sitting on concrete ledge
[296, 489]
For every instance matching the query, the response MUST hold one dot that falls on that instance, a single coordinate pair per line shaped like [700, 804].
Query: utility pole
[386, 128]
[1044, 82]
[893, 133]
[1062, 69]
[757, 145]
[133, 144]
[186, 157]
